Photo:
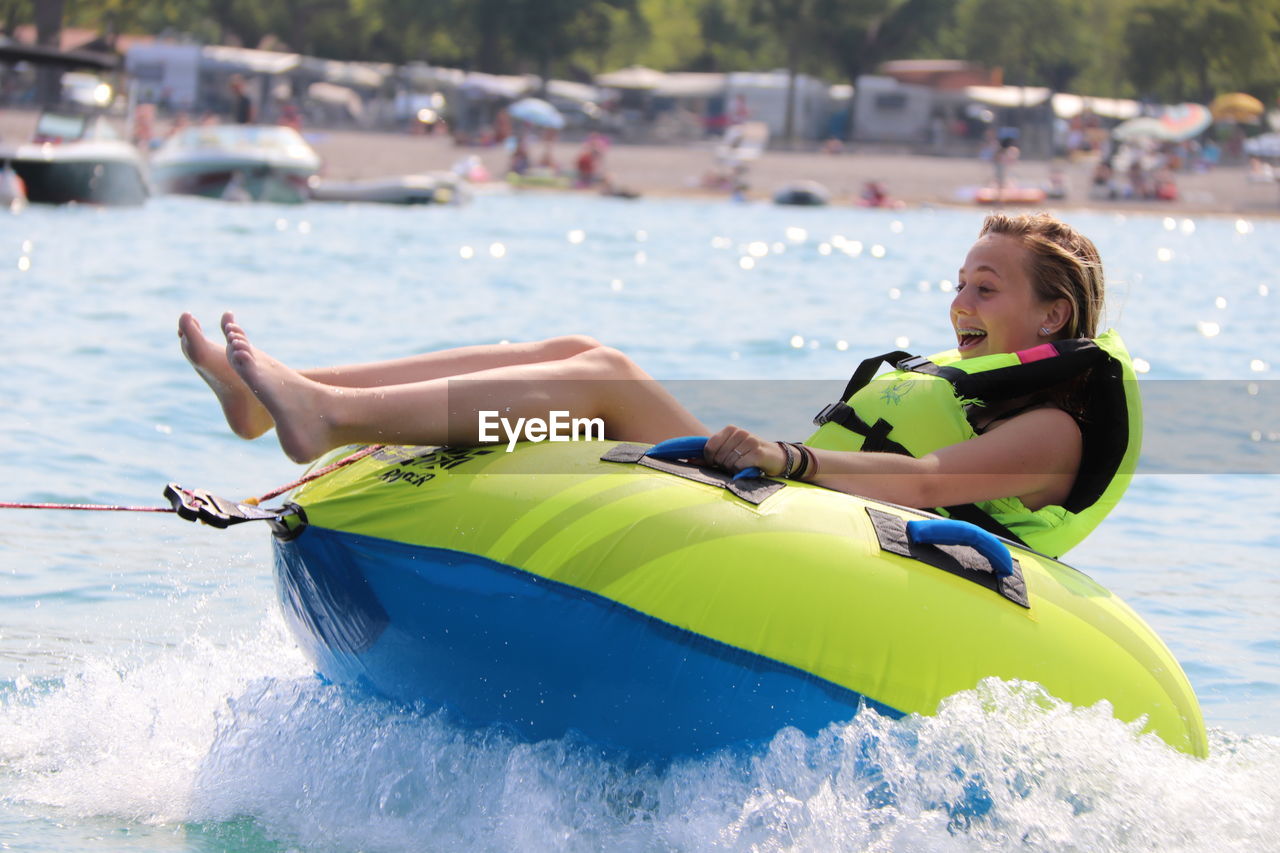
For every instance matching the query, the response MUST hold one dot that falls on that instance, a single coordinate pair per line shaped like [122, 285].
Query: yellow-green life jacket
[920, 406]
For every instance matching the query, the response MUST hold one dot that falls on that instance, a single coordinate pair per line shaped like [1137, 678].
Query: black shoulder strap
[1018, 380]
[875, 437]
[867, 370]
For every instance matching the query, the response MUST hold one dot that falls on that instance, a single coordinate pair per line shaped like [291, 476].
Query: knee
[608, 363]
[567, 346]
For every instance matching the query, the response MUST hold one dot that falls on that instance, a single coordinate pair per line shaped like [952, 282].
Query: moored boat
[433, 188]
[78, 159]
[237, 163]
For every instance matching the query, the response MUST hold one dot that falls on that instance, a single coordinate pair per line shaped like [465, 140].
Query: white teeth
[971, 332]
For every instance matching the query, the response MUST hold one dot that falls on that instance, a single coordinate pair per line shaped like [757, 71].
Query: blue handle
[691, 447]
[949, 531]
[684, 447]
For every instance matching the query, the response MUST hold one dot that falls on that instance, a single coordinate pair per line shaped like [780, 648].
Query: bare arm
[1034, 456]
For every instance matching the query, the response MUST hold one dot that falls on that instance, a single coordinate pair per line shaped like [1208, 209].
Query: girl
[1027, 281]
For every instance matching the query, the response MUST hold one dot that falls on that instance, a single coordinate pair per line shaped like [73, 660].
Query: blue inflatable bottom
[499, 645]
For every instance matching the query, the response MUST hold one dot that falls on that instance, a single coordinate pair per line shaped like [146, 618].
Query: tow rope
[201, 505]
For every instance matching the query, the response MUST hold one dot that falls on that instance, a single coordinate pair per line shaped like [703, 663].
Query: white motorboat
[238, 162]
[78, 158]
[431, 188]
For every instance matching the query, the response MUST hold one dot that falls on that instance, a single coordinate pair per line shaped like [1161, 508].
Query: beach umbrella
[1185, 121]
[1236, 106]
[537, 112]
[1142, 127]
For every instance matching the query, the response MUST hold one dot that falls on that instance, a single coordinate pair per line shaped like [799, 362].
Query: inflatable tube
[670, 610]
[1010, 195]
[802, 194]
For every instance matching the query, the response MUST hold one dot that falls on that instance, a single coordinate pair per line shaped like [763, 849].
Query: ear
[1057, 315]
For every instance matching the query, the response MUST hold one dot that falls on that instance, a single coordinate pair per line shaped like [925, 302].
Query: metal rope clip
[199, 505]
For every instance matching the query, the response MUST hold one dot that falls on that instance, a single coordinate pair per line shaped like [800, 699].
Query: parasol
[1185, 121]
[1142, 127]
[1236, 106]
[537, 112]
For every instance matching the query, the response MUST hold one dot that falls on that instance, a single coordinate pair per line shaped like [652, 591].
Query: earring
[1044, 330]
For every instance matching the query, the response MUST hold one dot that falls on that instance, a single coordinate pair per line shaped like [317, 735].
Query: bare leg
[248, 418]
[450, 362]
[312, 417]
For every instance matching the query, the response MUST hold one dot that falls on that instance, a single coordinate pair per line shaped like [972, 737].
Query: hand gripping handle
[691, 447]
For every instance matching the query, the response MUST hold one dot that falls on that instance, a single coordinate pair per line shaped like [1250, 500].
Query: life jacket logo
[894, 393]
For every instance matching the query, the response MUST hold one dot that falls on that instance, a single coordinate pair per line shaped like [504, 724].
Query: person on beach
[1027, 281]
[242, 109]
[1002, 161]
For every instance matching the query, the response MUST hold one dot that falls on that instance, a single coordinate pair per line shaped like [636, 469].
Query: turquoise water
[150, 698]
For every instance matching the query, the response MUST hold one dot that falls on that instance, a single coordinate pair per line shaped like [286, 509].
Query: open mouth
[970, 338]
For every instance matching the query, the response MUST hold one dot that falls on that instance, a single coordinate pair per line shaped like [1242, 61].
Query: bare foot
[247, 417]
[295, 403]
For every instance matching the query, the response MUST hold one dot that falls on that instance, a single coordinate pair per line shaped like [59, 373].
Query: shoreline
[916, 180]
[677, 171]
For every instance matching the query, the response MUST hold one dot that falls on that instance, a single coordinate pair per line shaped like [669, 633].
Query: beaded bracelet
[790, 464]
[798, 474]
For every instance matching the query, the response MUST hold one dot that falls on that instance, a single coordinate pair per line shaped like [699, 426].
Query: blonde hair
[1064, 264]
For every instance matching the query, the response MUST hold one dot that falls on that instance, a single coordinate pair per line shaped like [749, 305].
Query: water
[150, 698]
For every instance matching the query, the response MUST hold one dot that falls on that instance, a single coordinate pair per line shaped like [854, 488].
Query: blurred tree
[1191, 49]
[546, 33]
[1037, 44]
[241, 22]
[1103, 52]
[14, 12]
[691, 35]
[48, 15]
[799, 24]
[1167, 49]
[859, 35]
[731, 41]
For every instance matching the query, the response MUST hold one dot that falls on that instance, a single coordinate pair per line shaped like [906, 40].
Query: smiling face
[996, 308]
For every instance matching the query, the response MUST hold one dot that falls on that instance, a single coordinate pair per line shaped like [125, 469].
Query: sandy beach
[667, 170]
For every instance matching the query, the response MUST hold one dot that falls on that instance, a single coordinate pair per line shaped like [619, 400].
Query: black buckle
[912, 363]
[827, 414]
[199, 505]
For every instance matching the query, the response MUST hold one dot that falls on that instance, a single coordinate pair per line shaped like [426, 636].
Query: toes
[188, 326]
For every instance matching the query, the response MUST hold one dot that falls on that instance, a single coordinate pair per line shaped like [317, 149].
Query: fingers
[733, 449]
